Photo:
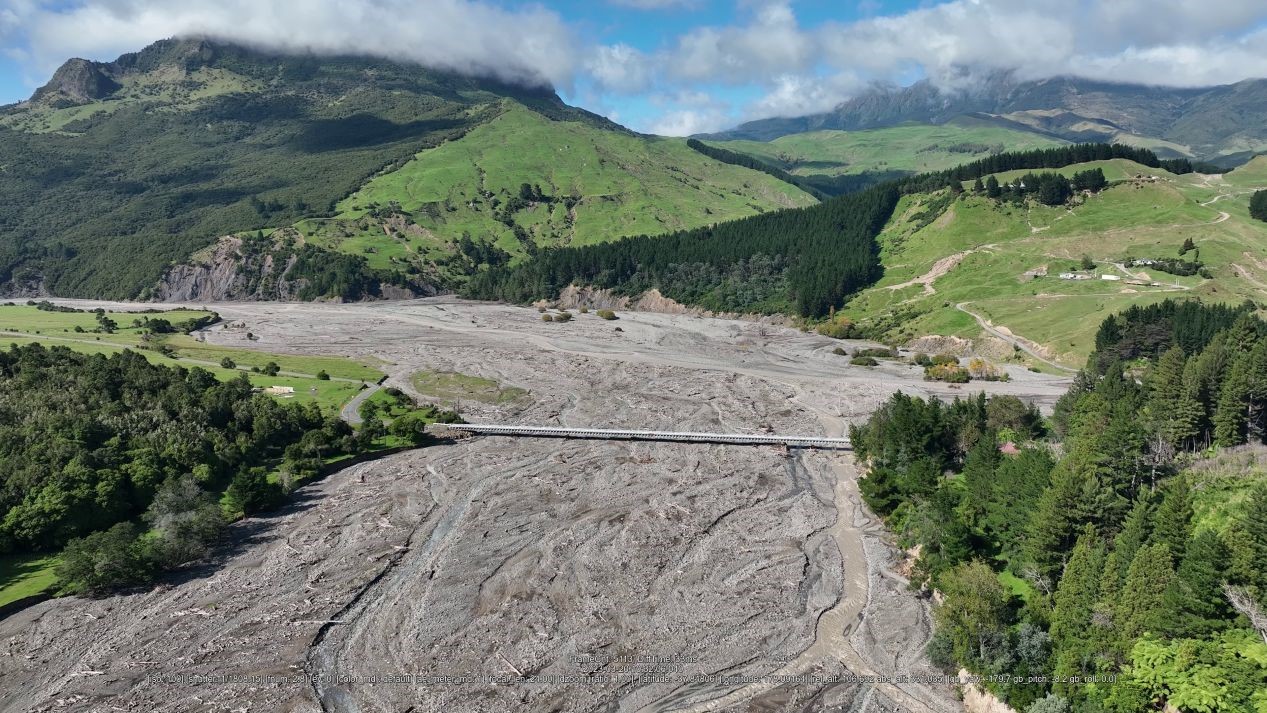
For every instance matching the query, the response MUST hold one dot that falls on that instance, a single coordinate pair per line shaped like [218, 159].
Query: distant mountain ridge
[1208, 123]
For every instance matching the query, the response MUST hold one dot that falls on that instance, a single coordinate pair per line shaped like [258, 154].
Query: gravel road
[502, 574]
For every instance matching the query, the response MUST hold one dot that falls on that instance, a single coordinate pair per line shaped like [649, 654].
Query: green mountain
[874, 155]
[522, 181]
[1222, 123]
[181, 169]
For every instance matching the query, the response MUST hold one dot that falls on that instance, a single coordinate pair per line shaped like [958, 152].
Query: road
[351, 411]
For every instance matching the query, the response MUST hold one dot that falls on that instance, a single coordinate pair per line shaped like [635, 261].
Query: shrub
[922, 359]
[984, 370]
[949, 373]
[228, 363]
[103, 561]
[945, 359]
[185, 519]
[606, 314]
[563, 316]
[585, 310]
[839, 352]
[250, 492]
[272, 369]
[323, 375]
[863, 361]
[882, 352]
[839, 328]
[547, 318]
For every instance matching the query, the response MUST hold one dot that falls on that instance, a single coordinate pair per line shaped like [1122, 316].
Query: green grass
[999, 242]
[26, 575]
[1016, 586]
[622, 184]
[390, 407]
[28, 325]
[1251, 175]
[1222, 485]
[24, 318]
[337, 367]
[912, 148]
[452, 385]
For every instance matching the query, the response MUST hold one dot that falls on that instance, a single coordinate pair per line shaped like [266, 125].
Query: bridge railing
[676, 436]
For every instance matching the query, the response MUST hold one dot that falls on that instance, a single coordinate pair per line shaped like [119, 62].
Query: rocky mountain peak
[78, 81]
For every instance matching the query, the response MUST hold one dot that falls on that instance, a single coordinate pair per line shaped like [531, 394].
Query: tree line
[804, 260]
[133, 467]
[1091, 559]
[735, 158]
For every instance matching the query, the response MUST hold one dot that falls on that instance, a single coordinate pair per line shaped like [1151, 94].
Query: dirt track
[674, 576]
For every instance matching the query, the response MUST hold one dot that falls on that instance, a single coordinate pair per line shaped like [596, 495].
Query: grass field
[913, 148]
[620, 184]
[25, 575]
[22, 324]
[451, 385]
[975, 252]
[1016, 586]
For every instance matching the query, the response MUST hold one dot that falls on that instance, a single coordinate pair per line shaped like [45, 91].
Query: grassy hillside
[914, 148]
[595, 185]
[115, 171]
[949, 258]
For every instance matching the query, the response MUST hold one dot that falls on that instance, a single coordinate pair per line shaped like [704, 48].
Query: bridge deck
[629, 435]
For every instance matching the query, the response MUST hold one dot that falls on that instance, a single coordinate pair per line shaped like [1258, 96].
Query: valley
[514, 558]
[949, 395]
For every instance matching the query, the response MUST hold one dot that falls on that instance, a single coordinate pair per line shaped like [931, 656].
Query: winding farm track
[1021, 343]
[513, 566]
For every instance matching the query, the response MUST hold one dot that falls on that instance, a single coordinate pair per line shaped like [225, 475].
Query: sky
[679, 67]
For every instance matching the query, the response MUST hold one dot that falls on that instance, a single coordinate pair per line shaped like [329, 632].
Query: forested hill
[805, 261]
[115, 171]
[1116, 562]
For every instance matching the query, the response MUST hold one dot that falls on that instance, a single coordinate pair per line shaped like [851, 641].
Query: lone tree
[1258, 205]
[992, 187]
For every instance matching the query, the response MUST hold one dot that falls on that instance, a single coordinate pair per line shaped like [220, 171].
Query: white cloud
[770, 44]
[1182, 42]
[794, 68]
[794, 95]
[684, 122]
[531, 44]
[619, 68]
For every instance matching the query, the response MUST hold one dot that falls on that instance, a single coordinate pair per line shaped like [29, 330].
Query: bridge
[743, 439]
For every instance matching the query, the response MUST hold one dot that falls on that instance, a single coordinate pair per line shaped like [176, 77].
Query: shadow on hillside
[364, 130]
